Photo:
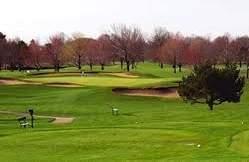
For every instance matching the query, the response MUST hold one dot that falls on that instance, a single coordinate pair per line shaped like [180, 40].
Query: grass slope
[148, 128]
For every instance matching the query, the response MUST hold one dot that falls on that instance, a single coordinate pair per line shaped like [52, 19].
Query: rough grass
[148, 128]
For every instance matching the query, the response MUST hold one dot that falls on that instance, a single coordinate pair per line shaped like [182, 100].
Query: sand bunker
[18, 82]
[58, 120]
[54, 119]
[123, 75]
[11, 82]
[170, 92]
[67, 85]
[6, 81]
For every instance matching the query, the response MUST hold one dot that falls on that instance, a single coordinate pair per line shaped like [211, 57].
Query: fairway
[147, 128]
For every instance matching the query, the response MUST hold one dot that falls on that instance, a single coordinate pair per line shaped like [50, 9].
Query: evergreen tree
[210, 85]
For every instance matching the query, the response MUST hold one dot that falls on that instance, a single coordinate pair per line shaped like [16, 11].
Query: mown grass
[148, 128]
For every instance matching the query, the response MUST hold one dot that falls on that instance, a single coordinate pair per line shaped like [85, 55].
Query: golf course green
[147, 128]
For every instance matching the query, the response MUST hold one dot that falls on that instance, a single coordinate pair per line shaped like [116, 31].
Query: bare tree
[174, 49]
[158, 40]
[128, 42]
[242, 43]
[77, 47]
[221, 46]
[243, 52]
[90, 57]
[199, 50]
[3, 48]
[54, 50]
[104, 50]
[35, 55]
[22, 54]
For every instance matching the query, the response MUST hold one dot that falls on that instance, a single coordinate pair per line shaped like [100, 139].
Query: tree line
[127, 45]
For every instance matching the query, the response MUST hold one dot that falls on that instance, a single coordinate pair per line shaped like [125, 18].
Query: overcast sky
[38, 19]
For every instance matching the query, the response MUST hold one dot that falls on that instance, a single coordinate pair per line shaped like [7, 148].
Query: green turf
[148, 128]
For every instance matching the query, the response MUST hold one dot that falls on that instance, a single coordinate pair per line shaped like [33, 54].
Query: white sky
[38, 19]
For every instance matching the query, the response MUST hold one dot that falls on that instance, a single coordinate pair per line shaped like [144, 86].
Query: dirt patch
[123, 75]
[60, 120]
[18, 82]
[11, 82]
[54, 119]
[170, 92]
[6, 81]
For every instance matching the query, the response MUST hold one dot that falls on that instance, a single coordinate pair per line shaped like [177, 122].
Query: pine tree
[211, 85]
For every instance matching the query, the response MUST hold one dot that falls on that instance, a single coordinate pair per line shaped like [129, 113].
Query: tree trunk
[91, 66]
[79, 62]
[174, 66]
[133, 65]
[128, 66]
[210, 103]
[37, 67]
[161, 65]
[180, 67]
[240, 64]
[211, 107]
[122, 64]
[19, 67]
[102, 67]
[57, 68]
[247, 70]
[57, 63]
[127, 61]
[12, 67]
